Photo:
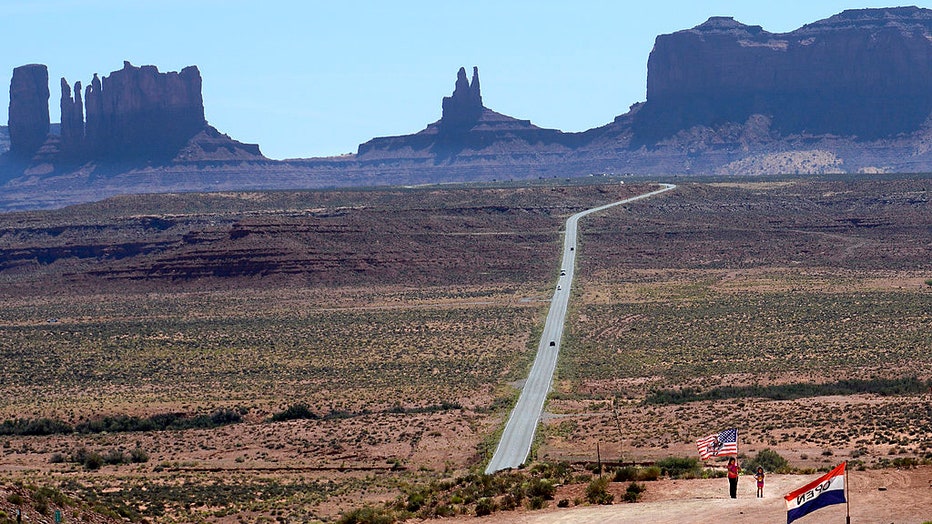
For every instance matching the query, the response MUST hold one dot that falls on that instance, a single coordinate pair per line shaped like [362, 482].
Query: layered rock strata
[863, 73]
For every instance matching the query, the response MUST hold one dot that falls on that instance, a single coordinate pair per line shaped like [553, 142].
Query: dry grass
[752, 284]
[148, 353]
[736, 284]
[371, 357]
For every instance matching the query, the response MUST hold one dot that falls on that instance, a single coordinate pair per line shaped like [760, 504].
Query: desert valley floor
[295, 356]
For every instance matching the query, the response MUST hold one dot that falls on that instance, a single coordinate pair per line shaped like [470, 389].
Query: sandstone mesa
[850, 93]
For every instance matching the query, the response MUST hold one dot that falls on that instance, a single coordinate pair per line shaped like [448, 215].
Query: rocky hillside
[414, 237]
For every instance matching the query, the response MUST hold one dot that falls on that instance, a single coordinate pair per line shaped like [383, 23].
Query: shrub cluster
[122, 423]
[475, 493]
[160, 422]
[368, 515]
[295, 412]
[39, 426]
[768, 459]
[597, 491]
[301, 411]
[680, 467]
[92, 460]
[885, 387]
[633, 492]
[632, 473]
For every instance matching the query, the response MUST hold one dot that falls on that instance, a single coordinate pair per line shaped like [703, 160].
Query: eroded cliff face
[29, 109]
[862, 73]
[134, 116]
[463, 108]
[134, 111]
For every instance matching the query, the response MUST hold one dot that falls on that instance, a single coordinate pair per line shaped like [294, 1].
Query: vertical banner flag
[718, 444]
[824, 491]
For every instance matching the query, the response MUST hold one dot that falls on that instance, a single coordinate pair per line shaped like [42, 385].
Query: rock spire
[29, 109]
[72, 118]
[463, 108]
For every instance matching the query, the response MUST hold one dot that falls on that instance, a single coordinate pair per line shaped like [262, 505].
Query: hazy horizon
[317, 79]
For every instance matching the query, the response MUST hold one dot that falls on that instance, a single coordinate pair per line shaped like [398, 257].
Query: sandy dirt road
[876, 496]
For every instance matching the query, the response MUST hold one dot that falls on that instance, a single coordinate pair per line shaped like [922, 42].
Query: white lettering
[814, 492]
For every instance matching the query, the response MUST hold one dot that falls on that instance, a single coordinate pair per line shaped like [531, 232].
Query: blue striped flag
[824, 491]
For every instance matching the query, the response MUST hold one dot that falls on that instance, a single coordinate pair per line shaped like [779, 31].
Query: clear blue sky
[316, 78]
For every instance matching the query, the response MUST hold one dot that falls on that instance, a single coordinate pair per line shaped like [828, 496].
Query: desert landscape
[352, 355]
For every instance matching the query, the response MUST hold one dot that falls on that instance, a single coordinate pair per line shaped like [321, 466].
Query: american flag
[718, 444]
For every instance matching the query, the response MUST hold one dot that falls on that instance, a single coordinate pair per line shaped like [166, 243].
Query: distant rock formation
[94, 128]
[72, 118]
[466, 129]
[716, 93]
[134, 115]
[462, 110]
[863, 73]
[136, 111]
[29, 109]
[851, 93]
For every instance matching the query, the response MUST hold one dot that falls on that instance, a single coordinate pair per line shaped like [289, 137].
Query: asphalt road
[515, 444]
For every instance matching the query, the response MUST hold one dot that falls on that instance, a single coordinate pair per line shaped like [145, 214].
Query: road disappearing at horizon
[515, 444]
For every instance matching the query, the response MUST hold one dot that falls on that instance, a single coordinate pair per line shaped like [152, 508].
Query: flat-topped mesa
[29, 109]
[463, 109]
[140, 111]
[863, 73]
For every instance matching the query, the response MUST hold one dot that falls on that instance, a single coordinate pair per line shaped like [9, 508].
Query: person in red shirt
[733, 477]
[760, 481]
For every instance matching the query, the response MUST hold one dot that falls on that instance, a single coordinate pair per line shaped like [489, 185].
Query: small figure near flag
[733, 470]
[718, 444]
[824, 491]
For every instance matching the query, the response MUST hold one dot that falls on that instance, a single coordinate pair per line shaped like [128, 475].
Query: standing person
[733, 477]
[760, 482]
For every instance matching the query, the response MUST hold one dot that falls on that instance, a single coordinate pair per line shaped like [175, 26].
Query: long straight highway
[515, 444]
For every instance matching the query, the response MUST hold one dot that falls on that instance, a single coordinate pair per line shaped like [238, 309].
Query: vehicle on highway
[518, 435]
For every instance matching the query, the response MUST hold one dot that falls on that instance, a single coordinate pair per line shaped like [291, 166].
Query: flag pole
[848, 497]
[736, 450]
